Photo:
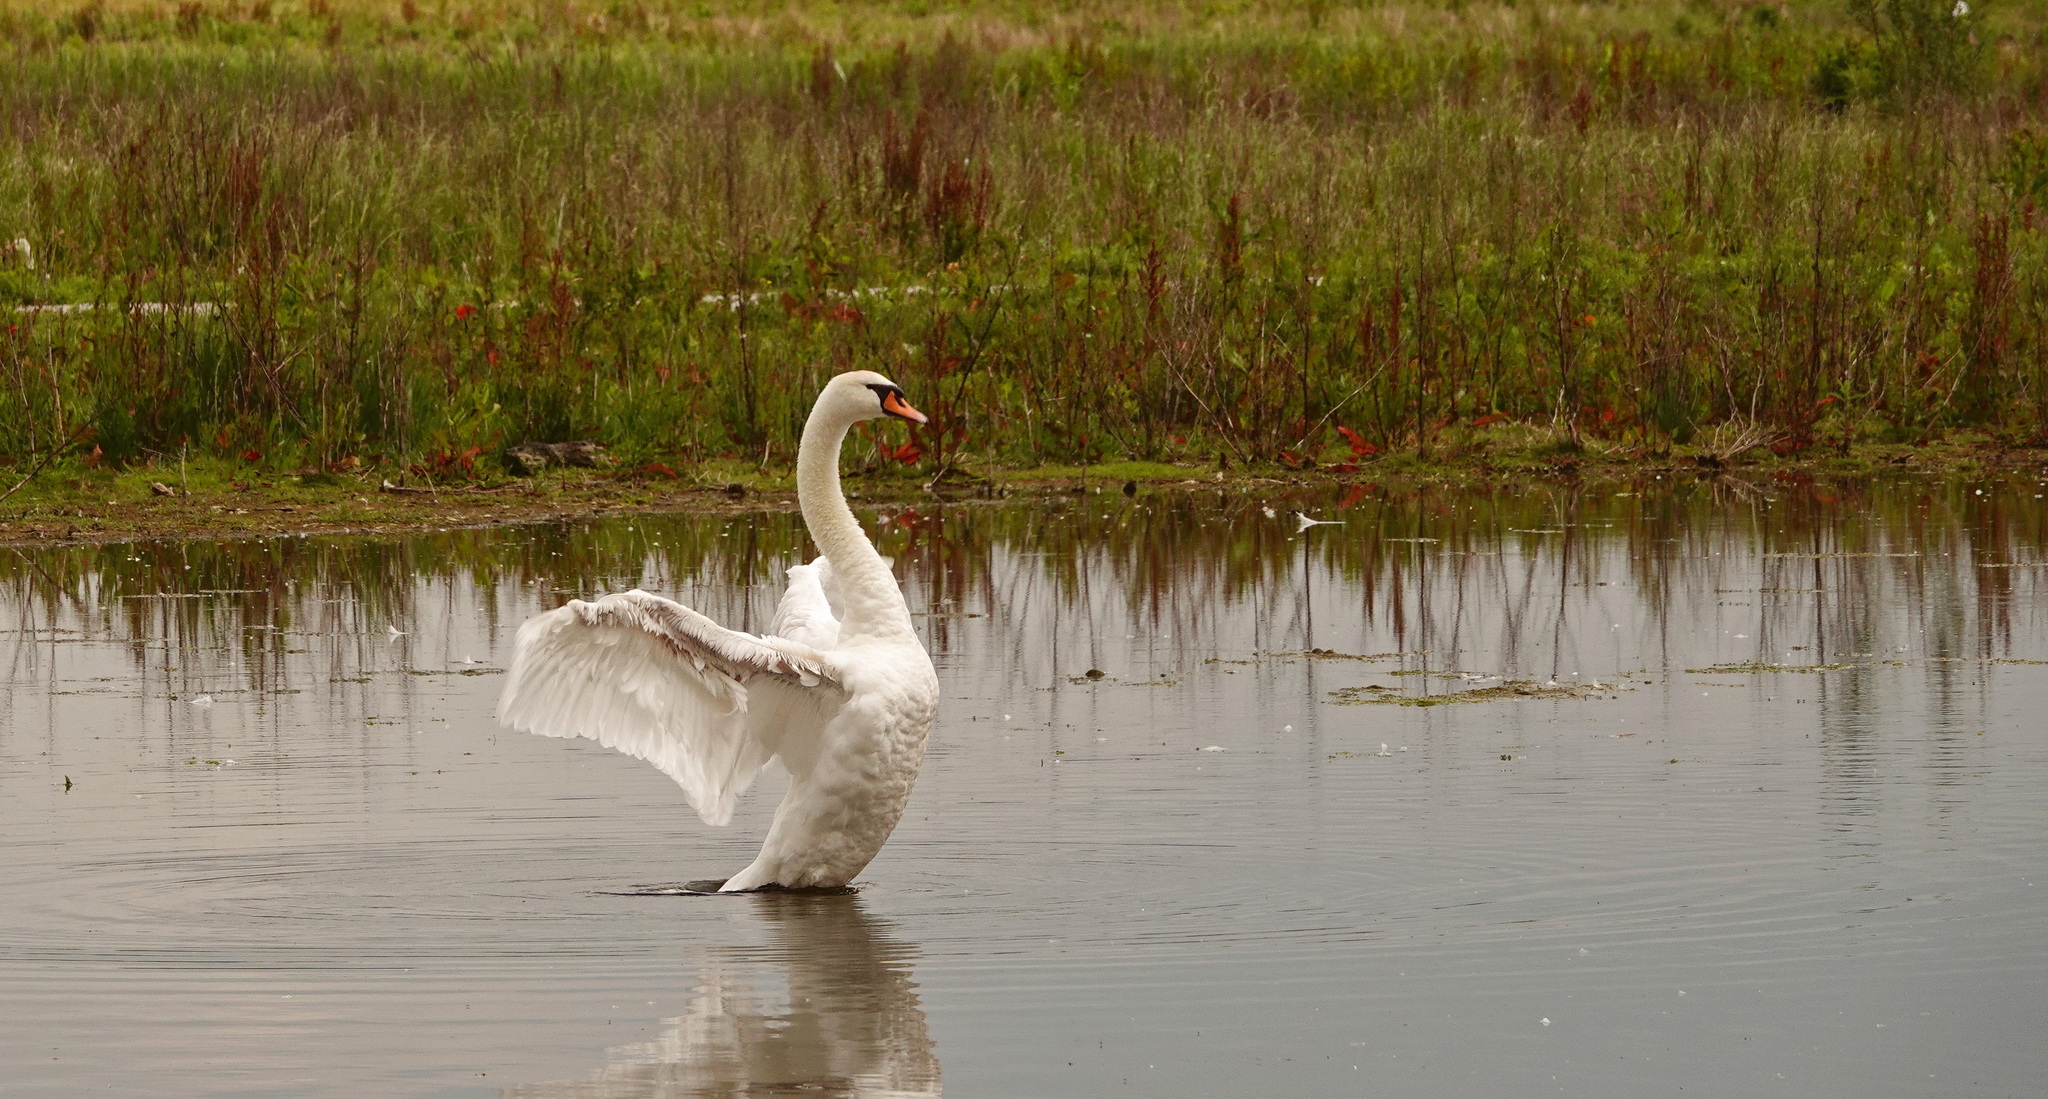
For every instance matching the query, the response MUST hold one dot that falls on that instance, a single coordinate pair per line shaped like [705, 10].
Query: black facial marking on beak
[895, 405]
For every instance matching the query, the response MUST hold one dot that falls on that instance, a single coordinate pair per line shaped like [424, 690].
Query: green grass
[1239, 233]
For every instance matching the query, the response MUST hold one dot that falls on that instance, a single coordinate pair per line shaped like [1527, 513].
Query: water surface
[1605, 791]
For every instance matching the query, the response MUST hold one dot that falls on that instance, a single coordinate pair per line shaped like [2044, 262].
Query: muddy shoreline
[81, 508]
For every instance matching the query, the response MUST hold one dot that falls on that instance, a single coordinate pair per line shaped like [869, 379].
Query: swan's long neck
[873, 603]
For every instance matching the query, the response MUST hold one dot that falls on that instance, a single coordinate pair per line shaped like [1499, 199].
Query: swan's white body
[843, 702]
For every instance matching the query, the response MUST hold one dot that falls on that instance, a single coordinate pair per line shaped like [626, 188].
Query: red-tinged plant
[446, 462]
[1359, 446]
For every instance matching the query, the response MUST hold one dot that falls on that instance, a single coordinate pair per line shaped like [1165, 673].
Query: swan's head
[865, 395]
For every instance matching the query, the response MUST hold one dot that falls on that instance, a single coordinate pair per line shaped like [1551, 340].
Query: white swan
[844, 703]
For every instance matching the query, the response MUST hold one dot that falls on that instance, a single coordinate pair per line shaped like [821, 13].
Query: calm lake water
[1610, 790]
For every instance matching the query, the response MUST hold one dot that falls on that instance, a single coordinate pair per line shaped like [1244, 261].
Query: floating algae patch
[1289, 656]
[1102, 679]
[1512, 689]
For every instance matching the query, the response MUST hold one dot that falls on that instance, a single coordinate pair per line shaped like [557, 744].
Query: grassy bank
[347, 236]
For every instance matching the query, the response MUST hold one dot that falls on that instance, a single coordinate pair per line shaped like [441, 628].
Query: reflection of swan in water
[849, 1024]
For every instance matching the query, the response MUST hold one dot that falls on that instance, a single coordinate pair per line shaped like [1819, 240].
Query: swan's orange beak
[894, 404]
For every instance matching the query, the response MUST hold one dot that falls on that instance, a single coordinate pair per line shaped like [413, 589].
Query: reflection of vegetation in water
[1811, 566]
[1720, 575]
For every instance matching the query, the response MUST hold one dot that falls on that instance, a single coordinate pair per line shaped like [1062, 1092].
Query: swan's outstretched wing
[658, 681]
[805, 613]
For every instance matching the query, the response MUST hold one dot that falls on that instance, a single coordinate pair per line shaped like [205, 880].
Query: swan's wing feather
[805, 613]
[654, 679]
